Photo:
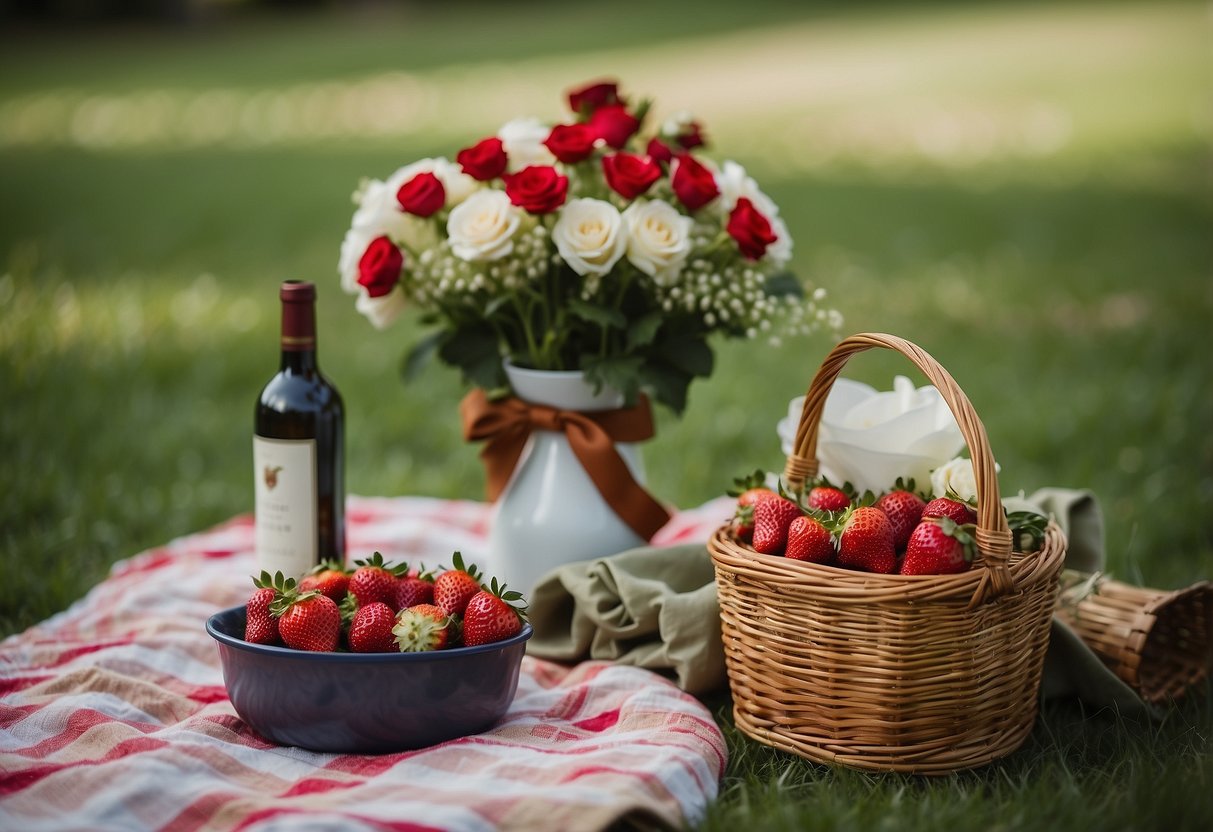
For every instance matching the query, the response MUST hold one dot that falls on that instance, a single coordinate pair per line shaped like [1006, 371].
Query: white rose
[735, 183]
[659, 238]
[379, 213]
[523, 142]
[956, 476]
[383, 310]
[871, 438]
[589, 236]
[780, 251]
[482, 227]
[456, 184]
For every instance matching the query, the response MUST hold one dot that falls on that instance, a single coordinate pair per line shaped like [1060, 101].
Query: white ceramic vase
[550, 512]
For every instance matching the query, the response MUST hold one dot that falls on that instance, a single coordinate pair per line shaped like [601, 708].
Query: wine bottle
[299, 451]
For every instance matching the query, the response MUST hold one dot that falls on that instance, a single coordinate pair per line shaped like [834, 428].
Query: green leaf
[420, 354]
[605, 318]
[782, 285]
[667, 385]
[691, 355]
[621, 372]
[475, 352]
[643, 330]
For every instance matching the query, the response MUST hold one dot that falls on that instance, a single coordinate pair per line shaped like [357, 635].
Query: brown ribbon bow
[507, 423]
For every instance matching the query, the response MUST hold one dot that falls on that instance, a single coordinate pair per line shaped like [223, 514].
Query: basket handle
[993, 534]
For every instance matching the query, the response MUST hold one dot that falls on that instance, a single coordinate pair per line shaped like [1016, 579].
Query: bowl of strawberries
[374, 659]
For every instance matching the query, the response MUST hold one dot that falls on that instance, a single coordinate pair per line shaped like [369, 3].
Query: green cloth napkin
[651, 607]
[656, 608]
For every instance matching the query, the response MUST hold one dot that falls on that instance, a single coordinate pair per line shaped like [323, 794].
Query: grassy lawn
[1021, 189]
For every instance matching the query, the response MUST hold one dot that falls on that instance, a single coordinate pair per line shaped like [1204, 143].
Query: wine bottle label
[284, 474]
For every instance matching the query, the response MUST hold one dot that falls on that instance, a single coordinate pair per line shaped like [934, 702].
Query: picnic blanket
[113, 715]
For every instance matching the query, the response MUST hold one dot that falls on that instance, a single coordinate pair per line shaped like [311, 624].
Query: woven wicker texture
[926, 674]
[1159, 642]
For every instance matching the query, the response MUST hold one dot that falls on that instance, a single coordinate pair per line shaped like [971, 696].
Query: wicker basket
[1159, 642]
[926, 674]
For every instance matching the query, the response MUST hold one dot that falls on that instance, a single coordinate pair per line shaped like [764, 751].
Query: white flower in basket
[869, 438]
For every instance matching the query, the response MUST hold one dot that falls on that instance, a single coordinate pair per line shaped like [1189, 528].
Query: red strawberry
[743, 519]
[772, 517]
[809, 540]
[260, 626]
[420, 628]
[329, 578]
[414, 589]
[866, 541]
[954, 510]
[904, 510]
[455, 587]
[309, 621]
[371, 631]
[749, 491]
[938, 547]
[827, 498]
[374, 580]
[491, 616]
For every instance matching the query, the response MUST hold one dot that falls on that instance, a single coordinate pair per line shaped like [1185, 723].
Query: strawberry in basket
[749, 490]
[938, 546]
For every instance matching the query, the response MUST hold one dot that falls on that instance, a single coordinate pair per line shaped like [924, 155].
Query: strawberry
[413, 589]
[491, 616]
[827, 498]
[938, 546]
[743, 520]
[956, 511]
[260, 626]
[866, 541]
[455, 587]
[371, 630]
[374, 580]
[749, 491]
[904, 510]
[809, 540]
[328, 578]
[772, 517]
[308, 621]
[423, 627]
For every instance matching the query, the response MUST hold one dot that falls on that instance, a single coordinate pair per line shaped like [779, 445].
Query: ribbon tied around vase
[507, 423]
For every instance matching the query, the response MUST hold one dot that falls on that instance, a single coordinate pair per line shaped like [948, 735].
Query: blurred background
[1021, 188]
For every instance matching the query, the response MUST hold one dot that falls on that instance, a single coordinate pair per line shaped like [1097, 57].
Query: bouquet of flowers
[588, 245]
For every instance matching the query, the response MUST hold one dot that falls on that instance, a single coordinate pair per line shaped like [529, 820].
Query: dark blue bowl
[365, 703]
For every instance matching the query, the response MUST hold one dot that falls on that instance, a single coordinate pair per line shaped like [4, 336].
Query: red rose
[660, 151]
[484, 160]
[587, 99]
[422, 195]
[379, 267]
[614, 124]
[750, 229]
[537, 189]
[693, 184]
[691, 135]
[571, 143]
[630, 175]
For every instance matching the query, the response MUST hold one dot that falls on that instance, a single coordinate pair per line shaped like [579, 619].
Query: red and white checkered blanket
[113, 714]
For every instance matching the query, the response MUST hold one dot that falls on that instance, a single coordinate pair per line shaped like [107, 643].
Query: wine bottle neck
[298, 327]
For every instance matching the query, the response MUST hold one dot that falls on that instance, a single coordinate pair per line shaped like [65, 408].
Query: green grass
[1052, 252]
